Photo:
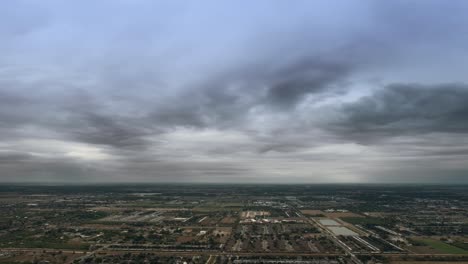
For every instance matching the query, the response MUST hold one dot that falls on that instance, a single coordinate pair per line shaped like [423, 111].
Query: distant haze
[234, 91]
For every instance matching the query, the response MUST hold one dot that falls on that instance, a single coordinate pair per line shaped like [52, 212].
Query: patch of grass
[441, 246]
[25, 239]
[54, 245]
[461, 245]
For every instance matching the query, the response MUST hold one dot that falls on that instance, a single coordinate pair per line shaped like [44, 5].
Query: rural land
[214, 223]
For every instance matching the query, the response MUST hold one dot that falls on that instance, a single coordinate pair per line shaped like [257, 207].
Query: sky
[280, 91]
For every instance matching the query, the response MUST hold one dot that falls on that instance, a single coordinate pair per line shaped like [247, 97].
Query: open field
[342, 215]
[441, 246]
[312, 212]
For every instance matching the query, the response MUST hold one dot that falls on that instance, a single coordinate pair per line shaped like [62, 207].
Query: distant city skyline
[234, 91]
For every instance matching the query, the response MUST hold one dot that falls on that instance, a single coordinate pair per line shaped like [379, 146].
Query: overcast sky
[234, 91]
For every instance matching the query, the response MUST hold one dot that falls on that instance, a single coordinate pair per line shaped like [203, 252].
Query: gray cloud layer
[407, 109]
[233, 91]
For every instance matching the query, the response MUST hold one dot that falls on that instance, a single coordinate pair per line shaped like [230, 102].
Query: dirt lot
[228, 220]
[312, 212]
[184, 239]
[342, 214]
[223, 232]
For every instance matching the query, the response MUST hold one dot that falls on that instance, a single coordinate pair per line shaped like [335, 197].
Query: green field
[461, 245]
[441, 246]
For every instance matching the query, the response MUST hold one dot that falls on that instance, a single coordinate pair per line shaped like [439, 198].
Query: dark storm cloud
[8, 104]
[8, 157]
[210, 105]
[11, 99]
[448, 152]
[281, 147]
[224, 100]
[27, 168]
[291, 84]
[407, 109]
[70, 116]
[106, 130]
